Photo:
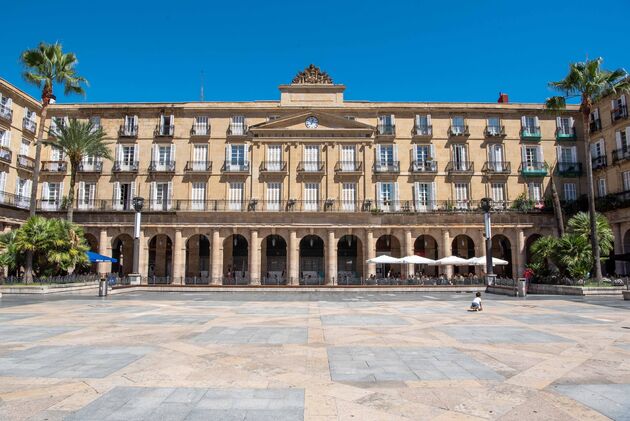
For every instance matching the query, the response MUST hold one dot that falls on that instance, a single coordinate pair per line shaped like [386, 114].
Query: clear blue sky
[458, 50]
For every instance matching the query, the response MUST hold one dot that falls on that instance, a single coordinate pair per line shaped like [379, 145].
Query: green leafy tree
[580, 224]
[590, 83]
[544, 250]
[78, 140]
[9, 255]
[45, 66]
[575, 256]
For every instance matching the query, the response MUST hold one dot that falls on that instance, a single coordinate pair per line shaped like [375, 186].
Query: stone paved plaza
[313, 356]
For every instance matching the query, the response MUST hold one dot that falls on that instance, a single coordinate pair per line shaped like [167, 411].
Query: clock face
[311, 122]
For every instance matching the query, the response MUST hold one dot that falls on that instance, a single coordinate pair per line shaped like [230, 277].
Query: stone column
[217, 259]
[409, 252]
[521, 255]
[254, 258]
[480, 249]
[178, 258]
[104, 248]
[446, 252]
[294, 259]
[143, 259]
[331, 266]
[370, 253]
[620, 267]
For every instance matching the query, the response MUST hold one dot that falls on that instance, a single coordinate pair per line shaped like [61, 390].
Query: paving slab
[612, 400]
[500, 334]
[28, 333]
[252, 335]
[163, 319]
[556, 319]
[362, 320]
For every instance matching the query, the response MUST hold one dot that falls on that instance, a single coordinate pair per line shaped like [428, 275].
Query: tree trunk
[557, 207]
[73, 176]
[591, 195]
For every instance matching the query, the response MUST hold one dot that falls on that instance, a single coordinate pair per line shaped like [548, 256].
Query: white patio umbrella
[451, 260]
[417, 260]
[481, 261]
[384, 259]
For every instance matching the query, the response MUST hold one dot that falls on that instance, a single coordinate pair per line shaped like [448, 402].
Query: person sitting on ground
[476, 303]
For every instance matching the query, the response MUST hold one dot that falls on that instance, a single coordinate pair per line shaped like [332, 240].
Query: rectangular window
[161, 196]
[3, 183]
[128, 157]
[311, 196]
[201, 125]
[130, 125]
[597, 149]
[235, 196]
[200, 157]
[458, 125]
[386, 158]
[567, 154]
[5, 138]
[274, 194]
[348, 158]
[461, 196]
[96, 122]
[237, 125]
[570, 192]
[23, 192]
[386, 124]
[535, 192]
[423, 125]
[237, 157]
[86, 196]
[425, 197]
[460, 158]
[167, 125]
[625, 176]
[530, 125]
[198, 195]
[494, 126]
[495, 158]
[123, 195]
[564, 126]
[311, 158]
[532, 159]
[5, 106]
[274, 157]
[498, 195]
[51, 194]
[348, 196]
[601, 187]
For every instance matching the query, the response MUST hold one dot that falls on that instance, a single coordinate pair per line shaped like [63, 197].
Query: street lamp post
[134, 277]
[486, 205]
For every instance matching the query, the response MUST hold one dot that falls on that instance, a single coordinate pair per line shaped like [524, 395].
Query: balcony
[128, 131]
[531, 133]
[494, 131]
[620, 155]
[569, 169]
[5, 154]
[619, 113]
[600, 162]
[349, 167]
[125, 166]
[200, 130]
[595, 125]
[162, 167]
[533, 169]
[237, 130]
[25, 162]
[497, 168]
[198, 167]
[310, 167]
[271, 167]
[230, 167]
[6, 113]
[460, 168]
[52, 167]
[29, 125]
[388, 167]
[164, 130]
[95, 167]
[424, 167]
[423, 132]
[458, 131]
[386, 130]
[565, 133]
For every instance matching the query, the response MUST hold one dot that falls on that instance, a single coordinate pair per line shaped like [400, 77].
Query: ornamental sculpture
[312, 75]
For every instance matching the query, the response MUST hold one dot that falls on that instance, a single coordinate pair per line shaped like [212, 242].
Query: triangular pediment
[326, 124]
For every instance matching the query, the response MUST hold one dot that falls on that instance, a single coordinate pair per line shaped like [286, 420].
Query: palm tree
[44, 66]
[590, 83]
[579, 224]
[77, 141]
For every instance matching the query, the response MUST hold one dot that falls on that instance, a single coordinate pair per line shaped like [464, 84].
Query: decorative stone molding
[312, 75]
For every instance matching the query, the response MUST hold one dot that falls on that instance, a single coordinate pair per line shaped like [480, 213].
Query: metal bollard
[102, 288]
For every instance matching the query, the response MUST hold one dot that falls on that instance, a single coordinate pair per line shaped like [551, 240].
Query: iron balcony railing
[125, 166]
[310, 166]
[348, 166]
[386, 130]
[566, 133]
[600, 162]
[199, 129]
[5, 154]
[497, 167]
[127, 130]
[533, 169]
[422, 131]
[164, 130]
[619, 155]
[424, 166]
[619, 113]
[569, 169]
[10, 199]
[494, 131]
[91, 167]
[458, 130]
[273, 166]
[6, 113]
[162, 166]
[237, 130]
[387, 167]
[460, 167]
[198, 166]
[29, 125]
[530, 133]
[595, 125]
[54, 166]
[235, 167]
[25, 162]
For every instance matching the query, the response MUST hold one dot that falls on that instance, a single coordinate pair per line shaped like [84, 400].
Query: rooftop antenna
[201, 98]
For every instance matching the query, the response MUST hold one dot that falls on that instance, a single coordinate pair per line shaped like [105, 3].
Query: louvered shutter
[378, 157]
[117, 205]
[429, 122]
[618, 140]
[559, 124]
[623, 100]
[523, 122]
[396, 197]
[169, 195]
[395, 155]
[433, 195]
[416, 196]
[573, 154]
[153, 195]
[379, 195]
[172, 126]
[81, 201]
[173, 160]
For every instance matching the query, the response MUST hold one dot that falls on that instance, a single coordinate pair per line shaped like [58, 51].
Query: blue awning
[97, 258]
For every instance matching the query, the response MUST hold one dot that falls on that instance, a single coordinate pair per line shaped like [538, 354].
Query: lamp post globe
[138, 203]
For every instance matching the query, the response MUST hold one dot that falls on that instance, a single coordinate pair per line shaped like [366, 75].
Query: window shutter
[395, 153]
[432, 151]
[523, 154]
[135, 154]
[613, 104]
[415, 153]
[116, 198]
[119, 154]
[559, 153]
[571, 122]
[396, 197]
[627, 136]
[416, 195]
[81, 193]
[433, 195]
[596, 113]
[156, 153]
[618, 139]
[173, 153]
[574, 154]
[429, 120]
[28, 187]
[153, 195]
[10, 103]
[536, 121]
[61, 190]
[246, 150]
[594, 150]
[379, 196]
[558, 122]
[133, 189]
[378, 154]
[172, 123]
[92, 194]
[392, 119]
[45, 190]
[523, 121]
[539, 154]
[623, 100]
[169, 196]
[53, 124]
[135, 121]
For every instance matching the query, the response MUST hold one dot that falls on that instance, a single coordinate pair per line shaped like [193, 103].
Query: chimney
[503, 98]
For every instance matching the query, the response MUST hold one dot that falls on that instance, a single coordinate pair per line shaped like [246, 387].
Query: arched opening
[388, 245]
[502, 249]
[122, 251]
[463, 246]
[349, 260]
[160, 259]
[198, 260]
[93, 245]
[426, 246]
[274, 263]
[312, 260]
[528, 246]
[235, 260]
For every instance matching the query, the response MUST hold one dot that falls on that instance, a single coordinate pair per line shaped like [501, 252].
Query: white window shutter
[152, 194]
[45, 190]
[135, 154]
[613, 103]
[558, 122]
[228, 153]
[9, 103]
[396, 197]
[432, 151]
[559, 153]
[627, 135]
[416, 194]
[378, 154]
[429, 120]
[623, 100]
[539, 154]
[523, 154]
[379, 195]
[61, 190]
[170, 194]
[116, 198]
[536, 121]
[28, 188]
[172, 121]
[133, 189]
[395, 153]
[571, 122]
[523, 121]
[81, 192]
[393, 120]
[574, 154]
[246, 150]
[594, 150]
[156, 153]
[433, 195]
[173, 152]
[618, 139]
[415, 153]
[92, 194]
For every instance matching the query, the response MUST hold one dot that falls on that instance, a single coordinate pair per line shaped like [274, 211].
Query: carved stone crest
[313, 75]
